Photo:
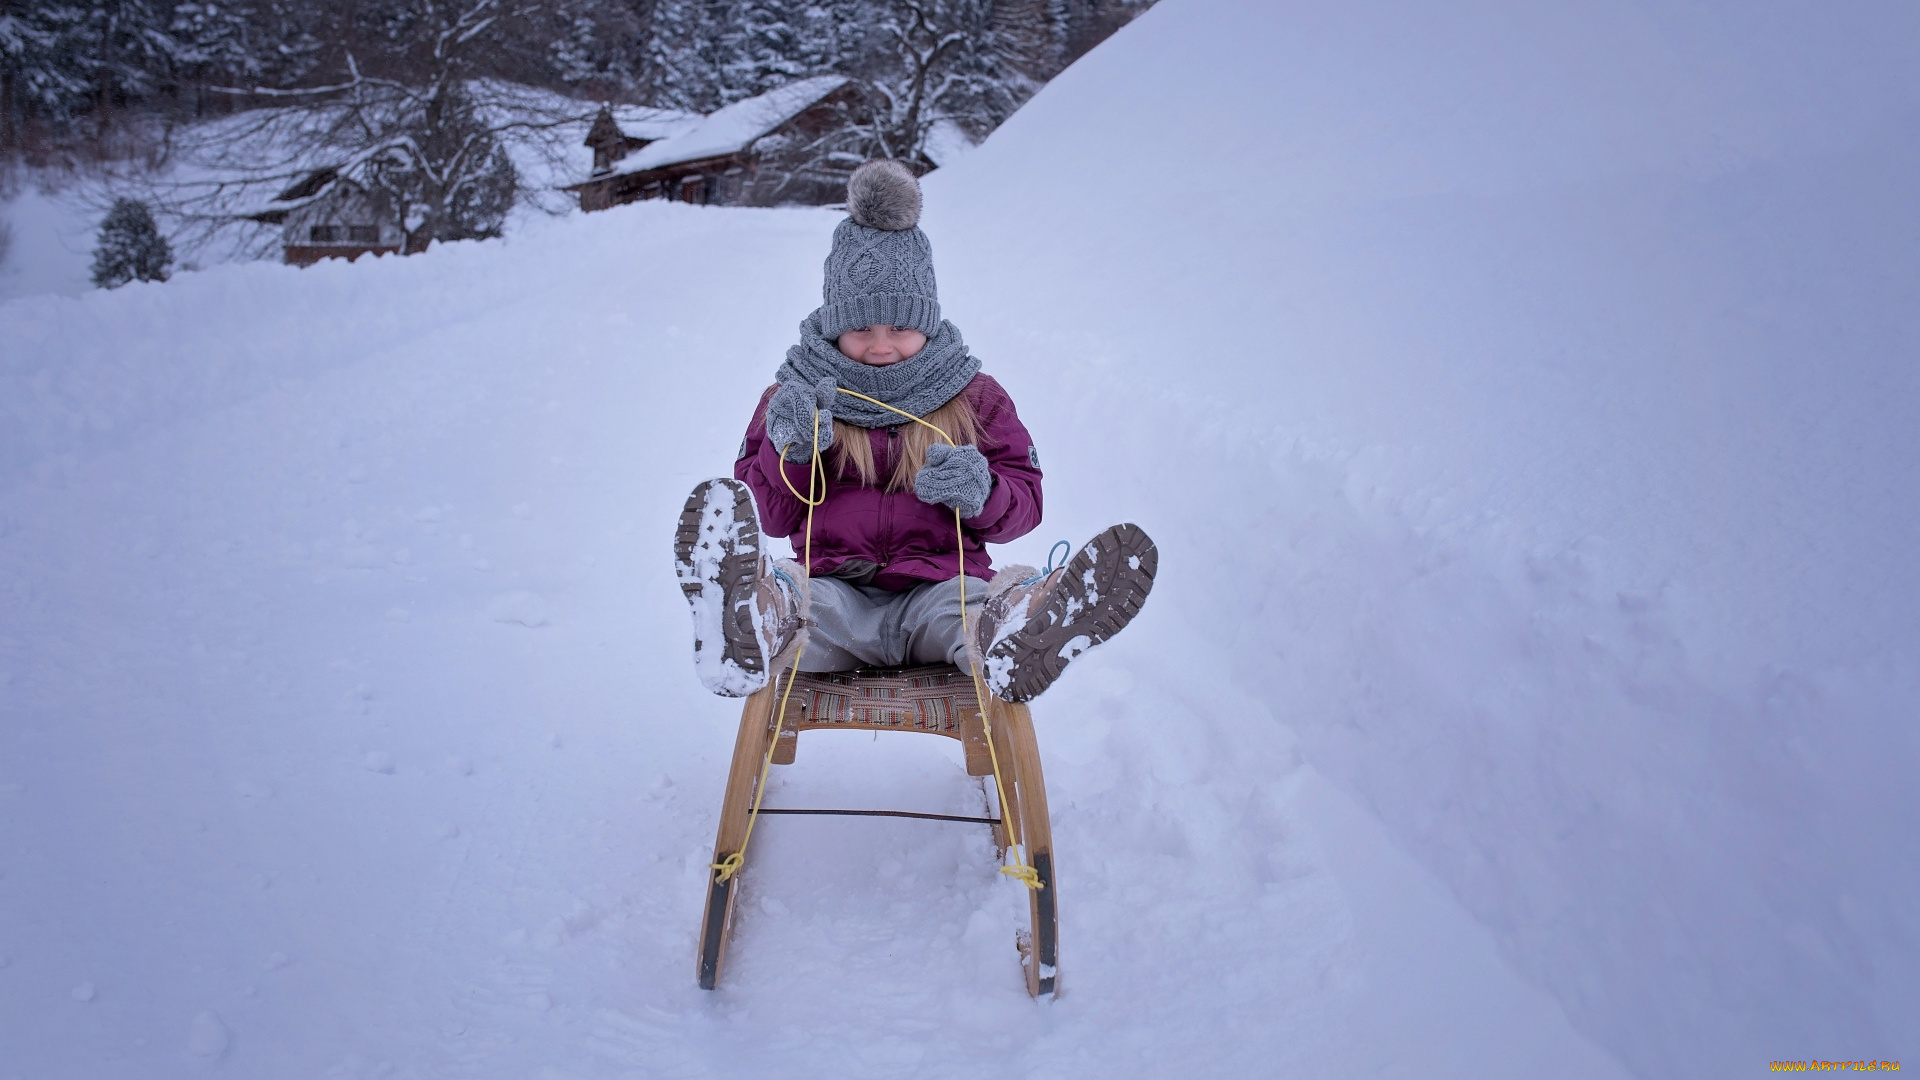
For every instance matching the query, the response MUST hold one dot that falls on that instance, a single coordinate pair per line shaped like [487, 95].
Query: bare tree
[435, 143]
[945, 61]
[810, 162]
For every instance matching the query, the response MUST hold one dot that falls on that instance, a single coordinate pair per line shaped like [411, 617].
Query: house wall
[346, 223]
[716, 181]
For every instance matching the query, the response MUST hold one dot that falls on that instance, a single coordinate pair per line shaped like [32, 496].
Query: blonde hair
[853, 453]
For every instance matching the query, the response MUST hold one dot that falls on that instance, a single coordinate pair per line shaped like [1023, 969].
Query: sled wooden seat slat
[934, 700]
[937, 700]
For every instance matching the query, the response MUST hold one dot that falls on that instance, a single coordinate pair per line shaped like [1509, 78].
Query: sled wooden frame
[935, 701]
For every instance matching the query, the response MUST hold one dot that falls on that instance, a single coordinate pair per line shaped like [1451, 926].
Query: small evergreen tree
[131, 247]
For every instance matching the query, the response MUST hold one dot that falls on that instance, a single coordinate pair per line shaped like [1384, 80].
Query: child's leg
[1039, 626]
[855, 626]
[929, 628]
[850, 627]
[746, 610]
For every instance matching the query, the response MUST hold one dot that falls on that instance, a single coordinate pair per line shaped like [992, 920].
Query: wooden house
[325, 215]
[777, 148]
[621, 130]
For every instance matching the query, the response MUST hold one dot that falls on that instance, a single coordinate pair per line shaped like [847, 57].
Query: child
[883, 585]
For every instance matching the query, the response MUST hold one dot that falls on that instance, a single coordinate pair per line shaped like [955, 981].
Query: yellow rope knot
[729, 866]
[1025, 875]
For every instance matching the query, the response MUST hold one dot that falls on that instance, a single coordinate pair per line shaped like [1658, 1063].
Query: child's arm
[759, 465]
[1013, 508]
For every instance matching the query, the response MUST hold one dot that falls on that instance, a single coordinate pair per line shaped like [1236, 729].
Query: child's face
[881, 345]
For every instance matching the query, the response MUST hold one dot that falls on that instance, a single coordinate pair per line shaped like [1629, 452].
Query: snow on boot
[746, 610]
[1031, 629]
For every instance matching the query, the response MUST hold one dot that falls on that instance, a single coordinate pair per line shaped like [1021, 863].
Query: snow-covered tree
[61, 61]
[683, 55]
[130, 248]
[219, 41]
[595, 47]
[758, 49]
[43, 71]
[409, 119]
[126, 50]
[944, 61]
[440, 161]
[276, 43]
[968, 62]
[703, 55]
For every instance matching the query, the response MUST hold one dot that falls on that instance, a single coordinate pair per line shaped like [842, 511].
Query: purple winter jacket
[907, 540]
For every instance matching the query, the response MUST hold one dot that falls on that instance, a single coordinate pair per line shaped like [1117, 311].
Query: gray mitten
[790, 418]
[955, 476]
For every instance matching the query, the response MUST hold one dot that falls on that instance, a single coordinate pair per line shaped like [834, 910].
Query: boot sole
[716, 554]
[1100, 592]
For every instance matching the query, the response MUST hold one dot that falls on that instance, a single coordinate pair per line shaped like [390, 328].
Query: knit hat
[880, 270]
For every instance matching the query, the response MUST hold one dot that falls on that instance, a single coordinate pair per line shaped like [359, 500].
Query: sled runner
[939, 700]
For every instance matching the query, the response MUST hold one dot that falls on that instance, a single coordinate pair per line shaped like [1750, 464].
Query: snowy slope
[1485, 721]
[349, 706]
[1571, 354]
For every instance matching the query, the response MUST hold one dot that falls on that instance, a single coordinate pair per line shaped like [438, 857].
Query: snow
[53, 240]
[548, 158]
[733, 128]
[504, 102]
[1520, 401]
[208, 1037]
[1565, 354]
[647, 122]
[56, 214]
[519, 607]
[452, 845]
[946, 142]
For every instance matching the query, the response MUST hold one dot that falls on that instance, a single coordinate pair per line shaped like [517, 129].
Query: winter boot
[1033, 626]
[747, 608]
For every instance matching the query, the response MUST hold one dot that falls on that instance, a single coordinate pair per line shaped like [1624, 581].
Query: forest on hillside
[457, 111]
[92, 79]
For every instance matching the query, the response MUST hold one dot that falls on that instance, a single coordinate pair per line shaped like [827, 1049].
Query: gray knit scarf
[929, 379]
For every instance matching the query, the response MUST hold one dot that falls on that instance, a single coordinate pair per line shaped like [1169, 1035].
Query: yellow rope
[731, 865]
[816, 495]
[813, 466]
[1019, 871]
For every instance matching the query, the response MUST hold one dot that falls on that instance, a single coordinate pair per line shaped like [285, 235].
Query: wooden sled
[934, 700]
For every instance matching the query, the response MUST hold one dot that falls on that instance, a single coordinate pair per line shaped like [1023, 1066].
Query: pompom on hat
[884, 195]
[880, 270]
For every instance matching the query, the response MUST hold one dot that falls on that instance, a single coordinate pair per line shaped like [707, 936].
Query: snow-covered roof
[646, 122]
[303, 192]
[733, 128]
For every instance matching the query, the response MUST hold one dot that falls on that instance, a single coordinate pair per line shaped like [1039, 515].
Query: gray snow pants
[857, 626]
